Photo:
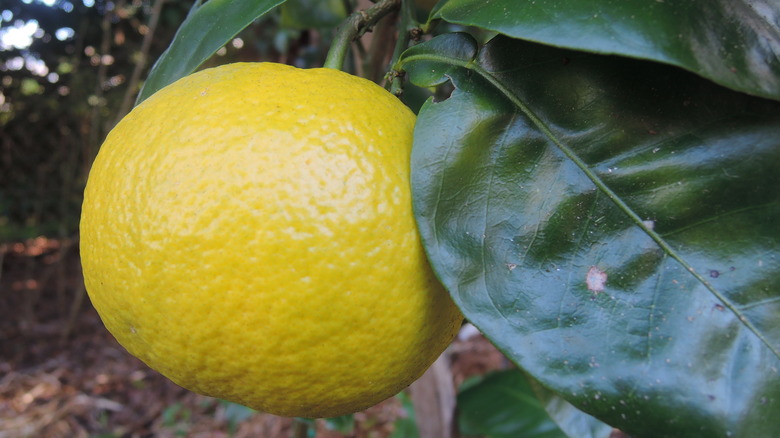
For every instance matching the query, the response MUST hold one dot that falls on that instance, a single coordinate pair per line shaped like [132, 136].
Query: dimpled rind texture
[247, 231]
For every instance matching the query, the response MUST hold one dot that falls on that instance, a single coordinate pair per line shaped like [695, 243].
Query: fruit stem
[358, 23]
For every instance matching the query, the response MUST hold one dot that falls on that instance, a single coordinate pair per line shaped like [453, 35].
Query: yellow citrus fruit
[247, 231]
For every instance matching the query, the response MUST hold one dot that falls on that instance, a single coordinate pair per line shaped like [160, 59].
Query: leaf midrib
[601, 185]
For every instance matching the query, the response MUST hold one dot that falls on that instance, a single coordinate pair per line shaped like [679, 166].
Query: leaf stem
[408, 27]
[358, 23]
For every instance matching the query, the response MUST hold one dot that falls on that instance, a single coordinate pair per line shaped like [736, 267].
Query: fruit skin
[247, 231]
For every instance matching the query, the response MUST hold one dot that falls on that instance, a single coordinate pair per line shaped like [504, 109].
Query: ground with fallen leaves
[63, 375]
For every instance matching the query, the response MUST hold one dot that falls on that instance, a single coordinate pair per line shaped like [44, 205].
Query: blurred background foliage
[70, 69]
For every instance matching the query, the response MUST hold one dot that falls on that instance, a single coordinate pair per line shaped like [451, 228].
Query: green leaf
[569, 419]
[735, 43]
[208, 27]
[612, 226]
[306, 14]
[503, 405]
[235, 414]
[344, 423]
[405, 426]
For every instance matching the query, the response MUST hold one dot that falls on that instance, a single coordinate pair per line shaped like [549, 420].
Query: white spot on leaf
[596, 279]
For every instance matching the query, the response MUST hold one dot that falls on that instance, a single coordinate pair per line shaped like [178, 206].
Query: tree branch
[135, 78]
[358, 23]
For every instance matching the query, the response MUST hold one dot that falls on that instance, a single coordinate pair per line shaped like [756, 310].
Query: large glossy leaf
[504, 405]
[612, 226]
[733, 42]
[208, 27]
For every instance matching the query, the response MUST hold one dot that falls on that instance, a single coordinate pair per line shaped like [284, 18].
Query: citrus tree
[596, 184]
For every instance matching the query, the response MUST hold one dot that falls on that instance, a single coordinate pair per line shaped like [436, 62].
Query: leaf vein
[500, 144]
